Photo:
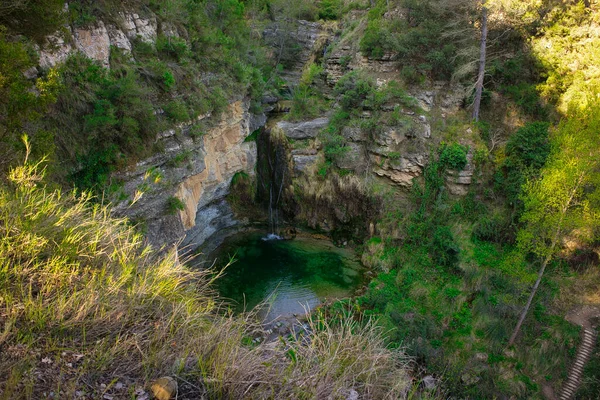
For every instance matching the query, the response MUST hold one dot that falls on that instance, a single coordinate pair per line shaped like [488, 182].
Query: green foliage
[453, 156]
[176, 111]
[418, 41]
[174, 205]
[35, 19]
[526, 153]
[23, 101]
[356, 91]
[330, 9]
[93, 169]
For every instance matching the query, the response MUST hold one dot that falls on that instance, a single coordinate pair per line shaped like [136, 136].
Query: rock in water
[164, 388]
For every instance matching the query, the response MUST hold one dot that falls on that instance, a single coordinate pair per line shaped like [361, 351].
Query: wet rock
[304, 129]
[164, 388]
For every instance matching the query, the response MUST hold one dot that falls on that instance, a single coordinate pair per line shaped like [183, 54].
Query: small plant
[345, 61]
[453, 156]
[180, 159]
[177, 111]
[174, 205]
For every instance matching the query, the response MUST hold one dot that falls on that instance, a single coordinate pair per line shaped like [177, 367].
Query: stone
[201, 184]
[352, 395]
[304, 129]
[30, 73]
[135, 26]
[303, 162]
[353, 158]
[458, 182]
[118, 39]
[354, 134]
[55, 51]
[94, 43]
[425, 99]
[429, 382]
[164, 388]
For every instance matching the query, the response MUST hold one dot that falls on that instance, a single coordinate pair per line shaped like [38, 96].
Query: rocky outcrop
[295, 44]
[138, 27]
[180, 192]
[56, 50]
[94, 43]
[304, 129]
[96, 40]
[458, 182]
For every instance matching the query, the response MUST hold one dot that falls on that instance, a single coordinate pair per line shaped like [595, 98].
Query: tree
[482, 54]
[559, 202]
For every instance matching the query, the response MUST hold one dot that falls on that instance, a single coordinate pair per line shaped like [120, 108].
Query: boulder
[304, 129]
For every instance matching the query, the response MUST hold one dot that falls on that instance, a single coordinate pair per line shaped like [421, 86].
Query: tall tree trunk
[531, 296]
[482, 52]
[553, 244]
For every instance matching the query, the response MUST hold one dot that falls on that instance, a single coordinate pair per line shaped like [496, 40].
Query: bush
[174, 205]
[330, 9]
[356, 91]
[495, 228]
[176, 111]
[526, 153]
[453, 156]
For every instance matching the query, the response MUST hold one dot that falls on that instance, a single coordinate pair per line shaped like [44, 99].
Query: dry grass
[87, 311]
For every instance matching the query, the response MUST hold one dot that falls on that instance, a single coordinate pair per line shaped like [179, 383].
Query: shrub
[356, 91]
[330, 9]
[174, 205]
[526, 153]
[453, 156]
[176, 110]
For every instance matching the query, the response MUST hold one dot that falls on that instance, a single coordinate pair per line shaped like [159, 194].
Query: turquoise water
[289, 276]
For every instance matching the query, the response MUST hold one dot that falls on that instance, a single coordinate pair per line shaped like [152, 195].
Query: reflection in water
[290, 276]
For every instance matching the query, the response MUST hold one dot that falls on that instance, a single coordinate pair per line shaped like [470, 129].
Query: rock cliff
[180, 192]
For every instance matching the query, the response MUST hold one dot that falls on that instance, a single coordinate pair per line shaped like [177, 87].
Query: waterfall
[272, 174]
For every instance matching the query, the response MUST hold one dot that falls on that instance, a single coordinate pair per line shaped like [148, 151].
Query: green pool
[289, 276]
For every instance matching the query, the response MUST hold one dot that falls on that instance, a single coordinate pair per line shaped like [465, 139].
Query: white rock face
[118, 39]
[94, 43]
[135, 26]
[56, 51]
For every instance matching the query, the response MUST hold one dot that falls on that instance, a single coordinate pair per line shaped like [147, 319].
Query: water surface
[291, 275]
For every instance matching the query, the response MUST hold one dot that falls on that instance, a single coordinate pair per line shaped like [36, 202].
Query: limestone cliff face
[180, 192]
[95, 41]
